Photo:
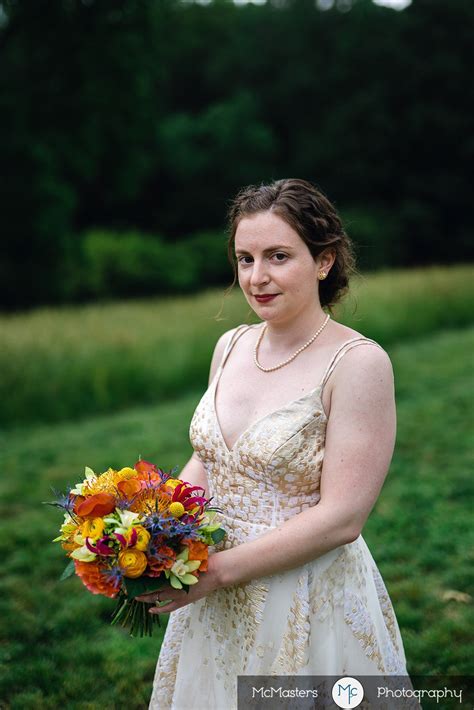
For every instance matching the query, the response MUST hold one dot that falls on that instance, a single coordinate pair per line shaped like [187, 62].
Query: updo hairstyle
[311, 215]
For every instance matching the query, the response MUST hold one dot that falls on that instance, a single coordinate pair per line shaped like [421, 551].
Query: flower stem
[134, 616]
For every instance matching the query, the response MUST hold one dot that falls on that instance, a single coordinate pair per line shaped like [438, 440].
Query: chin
[267, 309]
[271, 316]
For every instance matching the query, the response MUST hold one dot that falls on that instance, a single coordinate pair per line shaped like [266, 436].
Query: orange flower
[165, 559]
[94, 580]
[148, 472]
[69, 545]
[198, 551]
[77, 502]
[149, 500]
[95, 506]
[129, 487]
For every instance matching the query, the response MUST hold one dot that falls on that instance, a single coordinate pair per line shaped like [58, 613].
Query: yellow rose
[132, 562]
[143, 537]
[93, 528]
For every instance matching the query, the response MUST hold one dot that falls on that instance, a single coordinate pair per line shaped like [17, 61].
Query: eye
[240, 260]
[280, 256]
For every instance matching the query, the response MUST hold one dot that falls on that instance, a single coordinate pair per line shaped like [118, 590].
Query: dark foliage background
[127, 125]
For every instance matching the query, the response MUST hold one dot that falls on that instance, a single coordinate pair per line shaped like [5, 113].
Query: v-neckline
[260, 419]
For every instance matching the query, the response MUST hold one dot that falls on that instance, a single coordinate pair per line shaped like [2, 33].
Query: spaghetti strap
[240, 330]
[341, 351]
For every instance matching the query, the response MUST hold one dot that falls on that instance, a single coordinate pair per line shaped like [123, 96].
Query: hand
[176, 598]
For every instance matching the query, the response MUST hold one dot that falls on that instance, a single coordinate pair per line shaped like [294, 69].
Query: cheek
[243, 274]
[242, 280]
[300, 275]
[302, 279]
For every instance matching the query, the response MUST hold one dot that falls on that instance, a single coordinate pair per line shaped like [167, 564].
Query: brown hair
[311, 215]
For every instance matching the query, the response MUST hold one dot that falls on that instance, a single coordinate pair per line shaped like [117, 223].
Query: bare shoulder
[367, 355]
[365, 372]
[219, 350]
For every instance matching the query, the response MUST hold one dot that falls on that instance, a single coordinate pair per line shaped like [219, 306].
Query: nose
[259, 273]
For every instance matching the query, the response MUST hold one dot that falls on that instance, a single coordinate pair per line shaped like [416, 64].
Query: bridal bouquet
[133, 531]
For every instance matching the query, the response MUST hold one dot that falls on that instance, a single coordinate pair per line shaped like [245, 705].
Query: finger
[158, 602]
[149, 598]
[165, 608]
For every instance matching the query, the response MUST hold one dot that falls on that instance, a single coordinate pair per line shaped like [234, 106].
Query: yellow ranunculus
[132, 562]
[126, 473]
[93, 528]
[143, 537]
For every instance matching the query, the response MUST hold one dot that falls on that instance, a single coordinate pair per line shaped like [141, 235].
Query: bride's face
[273, 260]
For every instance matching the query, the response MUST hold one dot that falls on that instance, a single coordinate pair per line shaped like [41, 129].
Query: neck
[281, 336]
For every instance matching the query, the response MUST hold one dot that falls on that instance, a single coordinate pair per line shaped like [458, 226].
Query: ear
[326, 259]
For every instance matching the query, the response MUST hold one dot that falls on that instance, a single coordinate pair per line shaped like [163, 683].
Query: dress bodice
[273, 470]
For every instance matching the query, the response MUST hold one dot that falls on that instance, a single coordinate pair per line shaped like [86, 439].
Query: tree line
[136, 117]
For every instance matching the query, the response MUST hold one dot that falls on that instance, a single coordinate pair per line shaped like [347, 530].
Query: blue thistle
[172, 528]
[114, 575]
[64, 501]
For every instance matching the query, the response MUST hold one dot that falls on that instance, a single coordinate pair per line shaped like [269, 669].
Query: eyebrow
[266, 251]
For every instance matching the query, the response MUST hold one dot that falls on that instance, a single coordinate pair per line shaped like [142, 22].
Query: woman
[293, 439]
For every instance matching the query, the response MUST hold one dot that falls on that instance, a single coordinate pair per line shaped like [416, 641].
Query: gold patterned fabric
[332, 616]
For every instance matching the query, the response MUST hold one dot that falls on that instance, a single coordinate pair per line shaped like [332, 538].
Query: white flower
[90, 476]
[180, 573]
[122, 520]
[83, 554]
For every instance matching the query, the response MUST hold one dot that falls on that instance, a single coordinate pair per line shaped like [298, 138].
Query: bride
[293, 439]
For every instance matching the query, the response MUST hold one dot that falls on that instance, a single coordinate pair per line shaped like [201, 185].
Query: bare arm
[360, 438]
[194, 472]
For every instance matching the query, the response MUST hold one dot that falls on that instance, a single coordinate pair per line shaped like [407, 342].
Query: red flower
[183, 494]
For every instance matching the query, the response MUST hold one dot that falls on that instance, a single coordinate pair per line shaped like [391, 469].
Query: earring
[322, 275]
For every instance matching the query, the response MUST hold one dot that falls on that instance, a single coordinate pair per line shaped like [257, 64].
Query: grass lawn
[71, 362]
[57, 649]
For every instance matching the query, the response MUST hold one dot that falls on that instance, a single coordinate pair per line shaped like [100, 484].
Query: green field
[67, 363]
[57, 649]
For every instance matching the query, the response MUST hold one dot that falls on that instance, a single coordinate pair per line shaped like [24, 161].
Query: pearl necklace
[292, 357]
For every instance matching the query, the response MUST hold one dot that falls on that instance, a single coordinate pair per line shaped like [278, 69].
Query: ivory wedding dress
[332, 616]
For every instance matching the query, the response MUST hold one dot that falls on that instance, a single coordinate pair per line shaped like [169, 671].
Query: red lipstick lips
[266, 298]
